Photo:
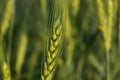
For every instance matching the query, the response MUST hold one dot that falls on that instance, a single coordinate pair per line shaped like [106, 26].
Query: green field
[59, 39]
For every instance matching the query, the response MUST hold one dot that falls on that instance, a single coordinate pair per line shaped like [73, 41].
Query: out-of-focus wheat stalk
[75, 6]
[119, 25]
[3, 64]
[44, 6]
[6, 71]
[21, 51]
[106, 26]
[68, 33]
[8, 14]
[7, 17]
[119, 29]
[54, 46]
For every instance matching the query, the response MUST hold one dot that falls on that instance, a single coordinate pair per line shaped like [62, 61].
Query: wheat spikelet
[54, 43]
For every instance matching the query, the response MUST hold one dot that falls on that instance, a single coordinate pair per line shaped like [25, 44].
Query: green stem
[107, 65]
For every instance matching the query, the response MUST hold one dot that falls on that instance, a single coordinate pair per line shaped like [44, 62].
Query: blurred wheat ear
[6, 71]
[106, 26]
[5, 24]
[7, 17]
[21, 51]
[54, 43]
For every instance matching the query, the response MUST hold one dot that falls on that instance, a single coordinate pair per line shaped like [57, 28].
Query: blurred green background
[85, 55]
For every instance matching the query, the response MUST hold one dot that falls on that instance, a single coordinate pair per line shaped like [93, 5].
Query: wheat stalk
[119, 28]
[54, 44]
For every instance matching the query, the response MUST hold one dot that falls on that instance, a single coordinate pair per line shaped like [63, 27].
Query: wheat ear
[7, 17]
[106, 25]
[8, 14]
[3, 64]
[54, 45]
[21, 51]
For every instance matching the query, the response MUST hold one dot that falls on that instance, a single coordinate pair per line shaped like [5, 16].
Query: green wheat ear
[3, 64]
[21, 51]
[5, 23]
[55, 42]
[106, 21]
[106, 26]
[8, 14]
